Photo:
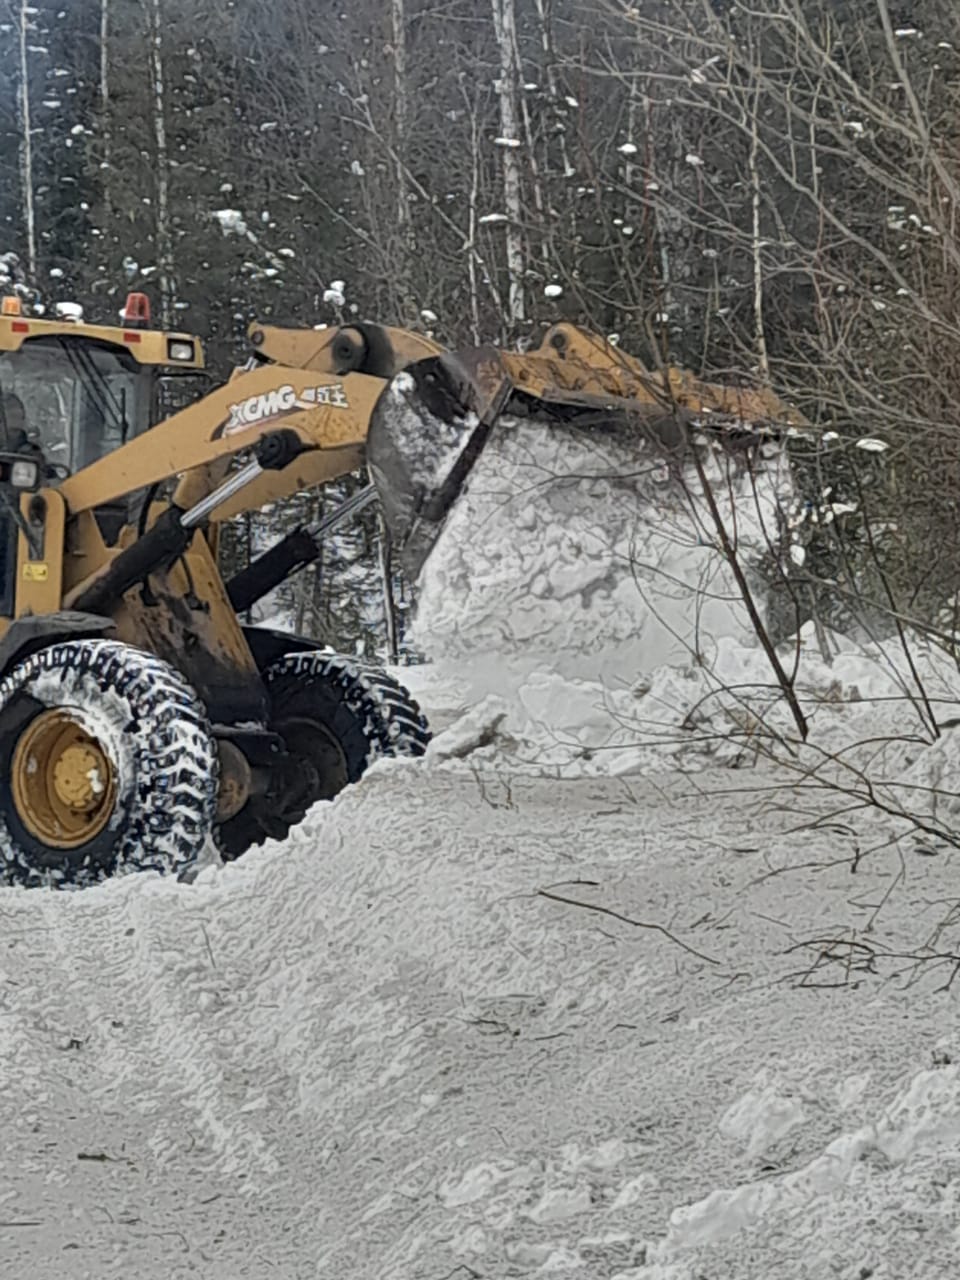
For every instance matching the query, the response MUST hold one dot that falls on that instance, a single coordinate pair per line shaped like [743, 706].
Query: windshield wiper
[101, 394]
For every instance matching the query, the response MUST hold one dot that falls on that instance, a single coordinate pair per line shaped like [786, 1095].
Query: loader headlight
[24, 474]
[179, 349]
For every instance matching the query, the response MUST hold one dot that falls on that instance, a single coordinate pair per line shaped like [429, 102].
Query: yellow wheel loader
[138, 716]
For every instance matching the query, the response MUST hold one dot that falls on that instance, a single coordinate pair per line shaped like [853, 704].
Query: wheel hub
[62, 780]
[77, 776]
[319, 767]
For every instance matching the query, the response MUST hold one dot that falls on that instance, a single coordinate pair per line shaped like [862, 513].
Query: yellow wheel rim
[62, 780]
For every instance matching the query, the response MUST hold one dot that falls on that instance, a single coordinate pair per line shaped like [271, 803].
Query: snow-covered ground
[382, 1050]
[572, 996]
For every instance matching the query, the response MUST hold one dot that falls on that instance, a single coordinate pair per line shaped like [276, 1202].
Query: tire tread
[172, 797]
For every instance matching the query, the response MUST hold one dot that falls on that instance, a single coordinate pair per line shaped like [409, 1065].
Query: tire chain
[176, 766]
[395, 726]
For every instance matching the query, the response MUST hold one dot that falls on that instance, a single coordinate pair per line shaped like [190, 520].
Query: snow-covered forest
[766, 194]
[647, 967]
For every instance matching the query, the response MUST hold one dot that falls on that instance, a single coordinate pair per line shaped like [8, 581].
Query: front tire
[336, 715]
[107, 764]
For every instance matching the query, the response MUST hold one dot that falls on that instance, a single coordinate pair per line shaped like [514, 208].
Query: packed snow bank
[382, 1050]
[922, 1118]
[688, 716]
[579, 617]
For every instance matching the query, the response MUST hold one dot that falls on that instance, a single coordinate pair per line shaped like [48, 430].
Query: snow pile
[762, 1116]
[923, 1117]
[586, 552]
[579, 616]
[862, 706]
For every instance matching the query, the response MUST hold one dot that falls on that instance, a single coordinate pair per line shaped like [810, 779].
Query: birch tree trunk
[401, 127]
[105, 93]
[400, 102]
[661, 231]
[505, 25]
[759, 328]
[472, 226]
[539, 204]
[26, 148]
[164, 240]
[545, 15]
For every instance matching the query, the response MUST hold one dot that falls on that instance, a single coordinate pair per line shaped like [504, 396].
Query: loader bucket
[433, 419]
[428, 429]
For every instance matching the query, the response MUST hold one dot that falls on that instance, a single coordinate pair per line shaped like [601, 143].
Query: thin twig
[637, 924]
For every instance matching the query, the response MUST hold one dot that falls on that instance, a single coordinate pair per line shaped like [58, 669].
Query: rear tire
[336, 716]
[107, 764]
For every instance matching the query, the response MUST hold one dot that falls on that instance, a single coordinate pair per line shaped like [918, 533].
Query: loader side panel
[181, 613]
[39, 572]
[185, 617]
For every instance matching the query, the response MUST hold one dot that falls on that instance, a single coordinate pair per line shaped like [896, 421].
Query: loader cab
[76, 392]
[72, 399]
